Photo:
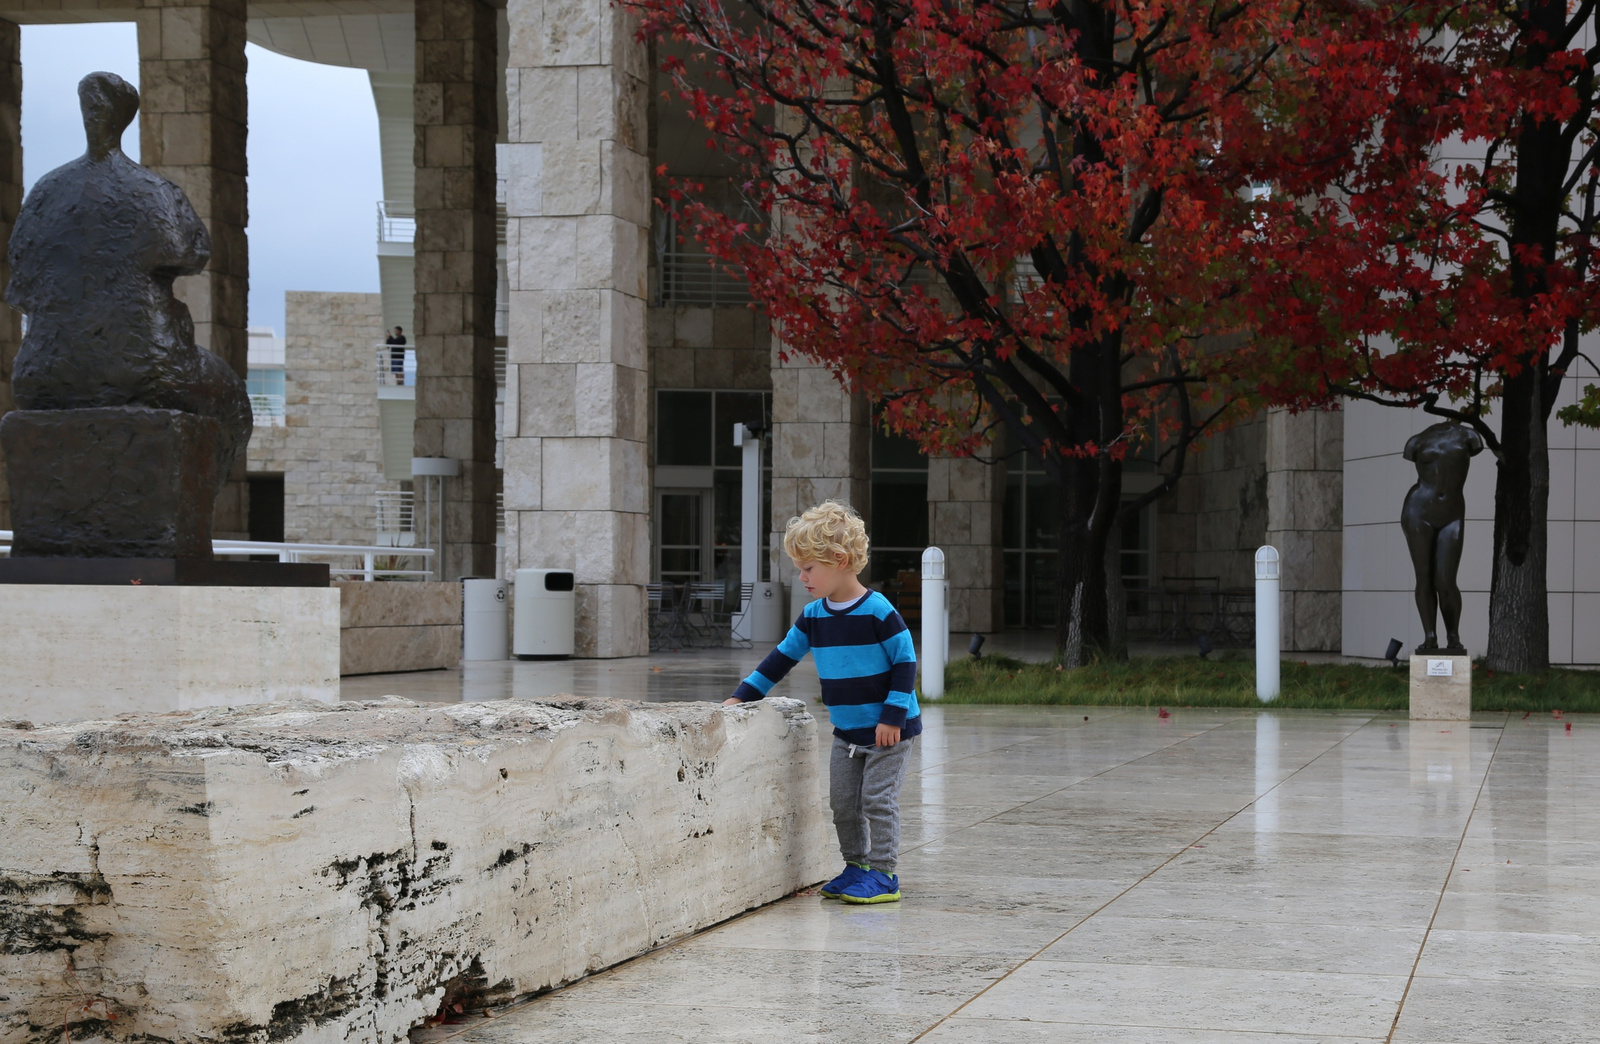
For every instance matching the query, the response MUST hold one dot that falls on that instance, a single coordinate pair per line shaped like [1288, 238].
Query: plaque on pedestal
[1441, 687]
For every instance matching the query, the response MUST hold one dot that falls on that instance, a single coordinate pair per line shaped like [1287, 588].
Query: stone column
[456, 122]
[1305, 522]
[193, 111]
[10, 204]
[821, 446]
[966, 496]
[578, 213]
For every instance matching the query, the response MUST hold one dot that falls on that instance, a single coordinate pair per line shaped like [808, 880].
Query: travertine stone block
[1441, 687]
[10, 204]
[298, 873]
[84, 651]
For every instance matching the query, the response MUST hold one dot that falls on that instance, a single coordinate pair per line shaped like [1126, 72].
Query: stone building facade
[535, 131]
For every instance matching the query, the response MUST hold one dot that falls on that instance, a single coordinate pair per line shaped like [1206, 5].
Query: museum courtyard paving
[1120, 876]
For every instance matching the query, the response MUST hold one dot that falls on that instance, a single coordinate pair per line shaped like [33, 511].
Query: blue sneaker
[873, 886]
[835, 888]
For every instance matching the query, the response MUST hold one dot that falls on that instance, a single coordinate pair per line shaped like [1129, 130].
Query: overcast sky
[315, 177]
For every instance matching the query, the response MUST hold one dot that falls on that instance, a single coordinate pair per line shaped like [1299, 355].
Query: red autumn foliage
[992, 214]
[1433, 246]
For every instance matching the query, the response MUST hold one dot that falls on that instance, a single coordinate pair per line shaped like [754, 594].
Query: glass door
[683, 535]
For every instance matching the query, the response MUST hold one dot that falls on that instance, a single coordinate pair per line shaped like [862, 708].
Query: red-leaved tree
[998, 213]
[1433, 244]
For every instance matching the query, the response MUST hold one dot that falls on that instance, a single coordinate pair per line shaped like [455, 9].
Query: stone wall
[294, 873]
[10, 205]
[722, 348]
[1305, 522]
[332, 459]
[398, 626]
[1212, 523]
[965, 505]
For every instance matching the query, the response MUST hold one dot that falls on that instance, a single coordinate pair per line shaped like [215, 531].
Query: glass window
[739, 408]
[899, 514]
[683, 428]
[265, 380]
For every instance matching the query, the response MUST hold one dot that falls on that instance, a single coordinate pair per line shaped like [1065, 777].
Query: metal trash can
[483, 619]
[768, 624]
[545, 621]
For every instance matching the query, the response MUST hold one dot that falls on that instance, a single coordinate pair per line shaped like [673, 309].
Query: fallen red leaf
[1163, 713]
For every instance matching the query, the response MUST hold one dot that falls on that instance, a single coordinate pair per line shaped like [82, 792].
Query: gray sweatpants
[864, 790]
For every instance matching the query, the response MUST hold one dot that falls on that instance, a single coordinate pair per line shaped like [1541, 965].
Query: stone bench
[299, 872]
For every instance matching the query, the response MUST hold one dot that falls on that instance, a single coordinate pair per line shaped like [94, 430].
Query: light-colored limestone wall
[1378, 579]
[10, 205]
[268, 453]
[821, 446]
[1212, 523]
[719, 348]
[1305, 522]
[332, 456]
[398, 626]
[294, 873]
[192, 118]
[455, 268]
[577, 488]
[965, 502]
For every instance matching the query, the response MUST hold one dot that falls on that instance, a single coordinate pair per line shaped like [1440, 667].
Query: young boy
[868, 670]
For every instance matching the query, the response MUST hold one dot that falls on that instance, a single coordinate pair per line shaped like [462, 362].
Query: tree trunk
[1116, 597]
[1087, 501]
[1519, 607]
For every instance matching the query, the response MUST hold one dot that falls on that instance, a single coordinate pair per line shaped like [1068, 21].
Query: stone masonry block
[573, 184]
[549, 400]
[293, 873]
[612, 621]
[524, 180]
[547, 254]
[573, 32]
[573, 326]
[523, 489]
[547, 103]
[692, 327]
[591, 474]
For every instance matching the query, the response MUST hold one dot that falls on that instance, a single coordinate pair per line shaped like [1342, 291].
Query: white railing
[695, 279]
[267, 410]
[400, 371]
[397, 367]
[395, 517]
[369, 569]
[397, 221]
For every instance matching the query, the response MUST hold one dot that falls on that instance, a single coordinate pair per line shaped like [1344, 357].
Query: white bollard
[1268, 626]
[935, 624]
[749, 444]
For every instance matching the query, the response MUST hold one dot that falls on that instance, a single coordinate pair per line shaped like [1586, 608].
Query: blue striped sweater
[865, 661]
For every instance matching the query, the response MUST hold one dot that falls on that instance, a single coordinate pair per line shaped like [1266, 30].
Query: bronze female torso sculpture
[1433, 519]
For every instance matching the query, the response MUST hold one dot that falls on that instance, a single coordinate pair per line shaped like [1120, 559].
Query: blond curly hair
[831, 533]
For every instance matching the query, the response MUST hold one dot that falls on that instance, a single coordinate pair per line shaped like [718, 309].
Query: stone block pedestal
[114, 482]
[79, 651]
[1441, 688]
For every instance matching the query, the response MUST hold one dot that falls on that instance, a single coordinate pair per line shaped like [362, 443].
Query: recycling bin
[483, 619]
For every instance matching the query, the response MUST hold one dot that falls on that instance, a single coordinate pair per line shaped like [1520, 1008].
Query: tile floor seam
[1165, 863]
[1466, 827]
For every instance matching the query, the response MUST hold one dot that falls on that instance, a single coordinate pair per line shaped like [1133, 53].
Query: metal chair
[733, 612]
[702, 612]
[667, 633]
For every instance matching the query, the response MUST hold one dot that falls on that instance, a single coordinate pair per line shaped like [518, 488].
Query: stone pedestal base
[1441, 688]
[73, 652]
[114, 482]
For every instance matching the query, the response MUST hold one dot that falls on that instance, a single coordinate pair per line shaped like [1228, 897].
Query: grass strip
[1230, 681]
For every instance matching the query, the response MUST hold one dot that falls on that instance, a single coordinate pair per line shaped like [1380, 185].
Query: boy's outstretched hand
[888, 735]
[731, 700]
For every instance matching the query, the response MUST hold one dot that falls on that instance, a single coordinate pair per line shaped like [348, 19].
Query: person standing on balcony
[397, 355]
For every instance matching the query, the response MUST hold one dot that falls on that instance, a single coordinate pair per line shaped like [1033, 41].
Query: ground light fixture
[975, 647]
[1204, 642]
[1393, 655]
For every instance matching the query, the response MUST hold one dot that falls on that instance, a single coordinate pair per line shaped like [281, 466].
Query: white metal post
[1268, 616]
[749, 524]
[935, 624]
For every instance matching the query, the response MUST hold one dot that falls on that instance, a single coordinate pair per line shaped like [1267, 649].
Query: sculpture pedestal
[82, 651]
[1441, 687]
[111, 482]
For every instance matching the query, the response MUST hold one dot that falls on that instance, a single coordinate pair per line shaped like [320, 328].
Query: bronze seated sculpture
[126, 429]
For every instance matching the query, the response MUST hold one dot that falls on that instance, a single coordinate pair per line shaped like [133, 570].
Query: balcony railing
[267, 410]
[397, 221]
[397, 367]
[395, 517]
[695, 279]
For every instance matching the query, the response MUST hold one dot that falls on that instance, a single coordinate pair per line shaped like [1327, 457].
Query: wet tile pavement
[1214, 876]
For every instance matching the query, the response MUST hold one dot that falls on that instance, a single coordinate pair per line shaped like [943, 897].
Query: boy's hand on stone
[888, 735]
[731, 700]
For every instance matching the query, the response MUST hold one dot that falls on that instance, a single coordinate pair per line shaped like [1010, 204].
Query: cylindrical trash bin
[545, 622]
[767, 622]
[483, 619]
